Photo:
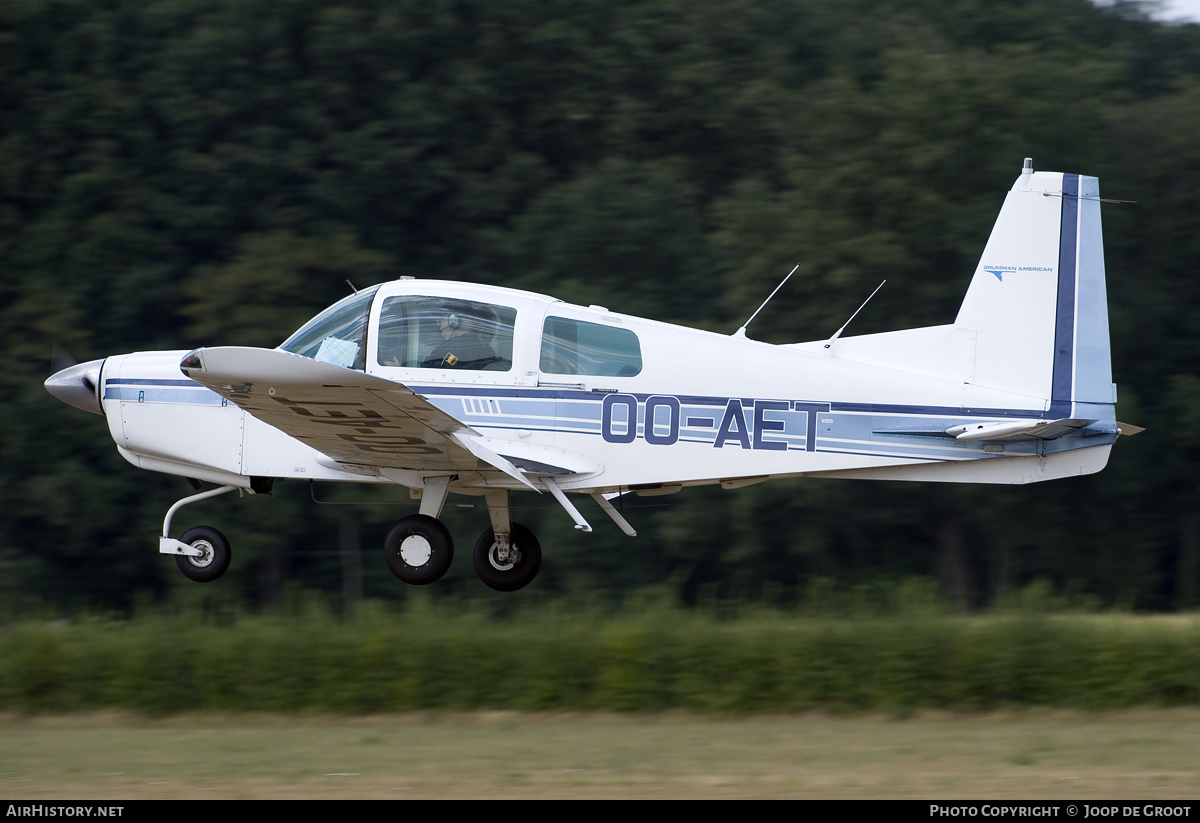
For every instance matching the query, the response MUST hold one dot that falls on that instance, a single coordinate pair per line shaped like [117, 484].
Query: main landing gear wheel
[418, 549]
[518, 570]
[210, 565]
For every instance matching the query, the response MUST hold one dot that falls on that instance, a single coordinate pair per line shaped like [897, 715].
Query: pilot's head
[457, 317]
[450, 319]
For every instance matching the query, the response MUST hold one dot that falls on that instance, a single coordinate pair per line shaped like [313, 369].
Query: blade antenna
[838, 333]
[742, 331]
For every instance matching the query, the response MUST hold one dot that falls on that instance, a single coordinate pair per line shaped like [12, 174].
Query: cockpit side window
[577, 347]
[445, 333]
[337, 335]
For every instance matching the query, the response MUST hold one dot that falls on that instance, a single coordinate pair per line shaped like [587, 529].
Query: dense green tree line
[176, 173]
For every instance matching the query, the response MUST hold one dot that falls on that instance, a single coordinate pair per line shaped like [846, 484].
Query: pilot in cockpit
[468, 334]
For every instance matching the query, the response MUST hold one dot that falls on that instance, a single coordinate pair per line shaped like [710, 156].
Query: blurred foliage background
[180, 173]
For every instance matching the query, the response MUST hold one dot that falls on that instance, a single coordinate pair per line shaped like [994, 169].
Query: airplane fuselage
[704, 408]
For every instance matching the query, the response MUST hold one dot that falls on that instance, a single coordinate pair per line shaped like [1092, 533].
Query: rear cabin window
[577, 347]
[443, 333]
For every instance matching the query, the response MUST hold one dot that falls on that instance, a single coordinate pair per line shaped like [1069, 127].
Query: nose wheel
[213, 559]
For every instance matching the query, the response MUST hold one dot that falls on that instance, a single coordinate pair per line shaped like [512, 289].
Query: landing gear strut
[419, 549]
[507, 556]
[203, 553]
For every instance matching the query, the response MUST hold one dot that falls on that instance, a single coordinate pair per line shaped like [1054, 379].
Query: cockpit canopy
[453, 331]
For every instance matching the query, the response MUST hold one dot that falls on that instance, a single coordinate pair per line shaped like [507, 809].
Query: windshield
[338, 335]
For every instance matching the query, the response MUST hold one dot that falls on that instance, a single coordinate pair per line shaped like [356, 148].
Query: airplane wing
[355, 418]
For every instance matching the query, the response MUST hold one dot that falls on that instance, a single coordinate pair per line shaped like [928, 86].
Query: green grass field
[1148, 754]
[429, 702]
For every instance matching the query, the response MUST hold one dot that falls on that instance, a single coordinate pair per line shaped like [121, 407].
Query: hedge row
[546, 659]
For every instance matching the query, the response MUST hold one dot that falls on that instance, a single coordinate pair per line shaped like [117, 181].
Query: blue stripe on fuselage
[183, 392]
[706, 400]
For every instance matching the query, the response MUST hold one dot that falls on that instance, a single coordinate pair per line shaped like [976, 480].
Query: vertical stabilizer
[1037, 304]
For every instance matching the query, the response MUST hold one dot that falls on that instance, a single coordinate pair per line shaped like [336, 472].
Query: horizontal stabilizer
[1027, 429]
[1017, 429]
[1128, 429]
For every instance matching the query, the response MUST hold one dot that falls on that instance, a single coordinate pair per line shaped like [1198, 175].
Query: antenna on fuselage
[742, 331]
[838, 333]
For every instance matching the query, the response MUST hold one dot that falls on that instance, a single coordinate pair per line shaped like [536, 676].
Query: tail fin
[1037, 304]
[1029, 348]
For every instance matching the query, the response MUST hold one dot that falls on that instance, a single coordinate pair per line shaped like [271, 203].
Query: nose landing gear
[203, 553]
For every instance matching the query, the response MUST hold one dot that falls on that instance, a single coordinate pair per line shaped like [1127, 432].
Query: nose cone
[78, 386]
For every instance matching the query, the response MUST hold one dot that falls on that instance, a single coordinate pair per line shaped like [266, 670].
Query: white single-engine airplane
[450, 387]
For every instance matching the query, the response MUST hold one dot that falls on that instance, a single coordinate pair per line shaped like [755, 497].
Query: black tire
[418, 549]
[516, 574]
[216, 556]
